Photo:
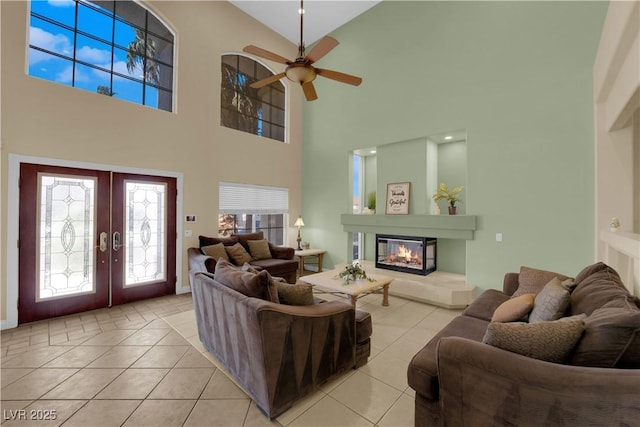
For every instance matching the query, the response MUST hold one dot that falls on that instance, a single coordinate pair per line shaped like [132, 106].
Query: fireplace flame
[405, 255]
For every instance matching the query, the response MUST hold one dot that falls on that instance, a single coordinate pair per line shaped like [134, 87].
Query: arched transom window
[258, 111]
[114, 48]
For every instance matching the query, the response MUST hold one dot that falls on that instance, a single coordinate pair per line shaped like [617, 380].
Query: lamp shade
[299, 222]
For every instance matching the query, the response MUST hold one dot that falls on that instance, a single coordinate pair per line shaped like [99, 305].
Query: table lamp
[299, 223]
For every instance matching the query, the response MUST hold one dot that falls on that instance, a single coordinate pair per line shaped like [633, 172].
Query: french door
[90, 239]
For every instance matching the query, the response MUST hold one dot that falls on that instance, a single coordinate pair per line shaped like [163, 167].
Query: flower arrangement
[450, 196]
[353, 272]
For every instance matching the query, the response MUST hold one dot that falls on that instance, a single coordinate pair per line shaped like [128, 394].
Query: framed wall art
[398, 198]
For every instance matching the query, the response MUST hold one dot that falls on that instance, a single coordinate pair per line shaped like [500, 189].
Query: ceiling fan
[301, 70]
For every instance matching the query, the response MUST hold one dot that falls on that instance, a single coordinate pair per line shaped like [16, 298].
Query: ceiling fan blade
[262, 53]
[267, 81]
[309, 91]
[320, 49]
[341, 77]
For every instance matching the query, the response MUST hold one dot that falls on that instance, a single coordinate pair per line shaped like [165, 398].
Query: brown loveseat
[278, 353]
[461, 381]
[280, 262]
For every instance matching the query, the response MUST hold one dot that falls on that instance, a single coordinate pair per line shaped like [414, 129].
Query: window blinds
[237, 198]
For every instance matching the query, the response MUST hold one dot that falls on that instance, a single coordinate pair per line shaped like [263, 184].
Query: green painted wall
[404, 162]
[516, 75]
[452, 169]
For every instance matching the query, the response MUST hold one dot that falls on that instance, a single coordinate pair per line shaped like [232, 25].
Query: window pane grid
[153, 67]
[256, 111]
[271, 225]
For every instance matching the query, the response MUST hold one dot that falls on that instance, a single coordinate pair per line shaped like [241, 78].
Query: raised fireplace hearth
[408, 254]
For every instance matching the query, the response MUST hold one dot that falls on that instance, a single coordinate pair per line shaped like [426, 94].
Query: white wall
[616, 80]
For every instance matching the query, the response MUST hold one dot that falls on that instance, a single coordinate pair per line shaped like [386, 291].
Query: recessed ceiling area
[320, 18]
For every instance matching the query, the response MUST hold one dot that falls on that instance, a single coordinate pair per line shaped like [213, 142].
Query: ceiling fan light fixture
[299, 73]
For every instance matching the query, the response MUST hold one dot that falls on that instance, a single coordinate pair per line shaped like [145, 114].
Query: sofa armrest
[510, 283]
[281, 252]
[199, 263]
[484, 385]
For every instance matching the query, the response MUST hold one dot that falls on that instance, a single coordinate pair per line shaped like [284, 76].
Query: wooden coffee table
[330, 281]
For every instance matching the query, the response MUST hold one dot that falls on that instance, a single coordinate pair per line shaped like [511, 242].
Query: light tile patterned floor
[141, 364]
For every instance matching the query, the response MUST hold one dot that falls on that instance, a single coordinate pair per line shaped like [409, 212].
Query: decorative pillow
[513, 309]
[215, 251]
[551, 303]
[298, 294]
[238, 254]
[249, 284]
[259, 249]
[550, 341]
[569, 284]
[273, 290]
[532, 280]
[250, 268]
[611, 339]
[245, 237]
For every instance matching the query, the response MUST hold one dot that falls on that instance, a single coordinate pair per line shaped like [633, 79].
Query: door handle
[116, 241]
[103, 241]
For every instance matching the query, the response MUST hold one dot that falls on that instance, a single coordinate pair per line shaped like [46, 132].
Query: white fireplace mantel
[439, 226]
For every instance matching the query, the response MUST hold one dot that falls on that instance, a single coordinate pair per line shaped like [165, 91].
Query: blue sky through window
[97, 54]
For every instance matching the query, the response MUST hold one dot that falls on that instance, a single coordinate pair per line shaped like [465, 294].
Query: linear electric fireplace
[408, 254]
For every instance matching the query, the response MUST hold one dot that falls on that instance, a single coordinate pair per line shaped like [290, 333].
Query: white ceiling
[320, 17]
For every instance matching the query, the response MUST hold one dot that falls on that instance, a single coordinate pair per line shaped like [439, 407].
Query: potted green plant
[450, 196]
[354, 272]
[371, 202]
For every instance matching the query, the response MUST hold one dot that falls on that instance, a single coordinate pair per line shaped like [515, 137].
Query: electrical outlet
[187, 233]
[498, 237]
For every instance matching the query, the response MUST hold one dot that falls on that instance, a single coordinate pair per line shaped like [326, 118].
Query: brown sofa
[461, 381]
[283, 262]
[278, 353]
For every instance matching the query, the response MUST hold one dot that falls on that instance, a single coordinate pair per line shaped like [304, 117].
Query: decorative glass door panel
[66, 231]
[145, 224]
[90, 239]
[64, 221]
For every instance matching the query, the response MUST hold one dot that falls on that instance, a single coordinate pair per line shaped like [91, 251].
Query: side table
[309, 252]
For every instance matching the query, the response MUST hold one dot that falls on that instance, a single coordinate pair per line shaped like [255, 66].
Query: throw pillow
[238, 254]
[249, 284]
[550, 341]
[259, 249]
[272, 289]
[250, 268]
[611, 339]
[569, 284]
[245, 237]
[215, 251]
[551, 303]
[513, 309]
[532, 280]
[298, 294]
